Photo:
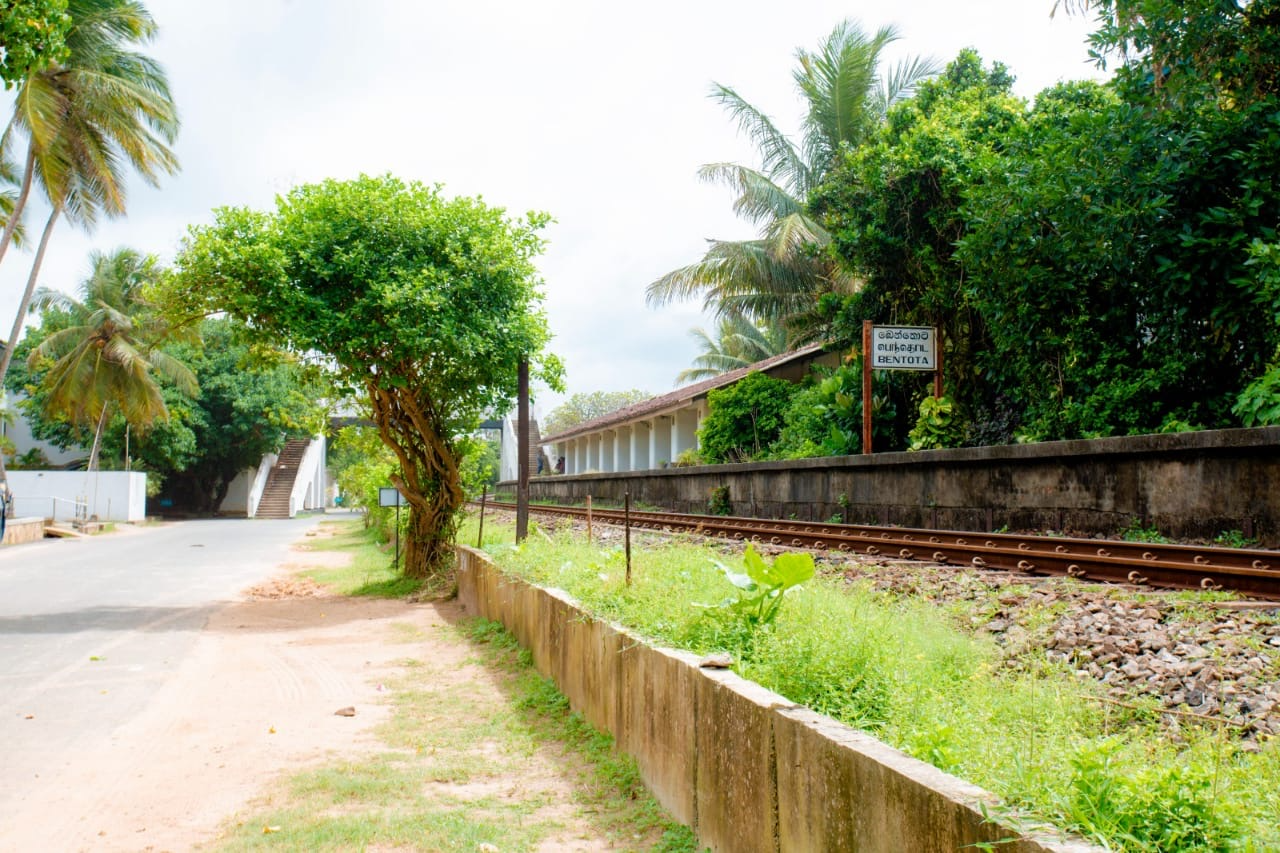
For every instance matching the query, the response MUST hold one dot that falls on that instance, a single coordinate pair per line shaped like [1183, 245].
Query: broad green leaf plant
[760, 591]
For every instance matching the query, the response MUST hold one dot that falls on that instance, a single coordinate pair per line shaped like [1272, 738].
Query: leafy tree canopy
[32, 34]
[1095, 262]
[426, 303]
[250, 400]
[585, 406]
[894, 209]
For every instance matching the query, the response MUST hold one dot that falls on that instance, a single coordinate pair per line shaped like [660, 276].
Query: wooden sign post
[896, 348]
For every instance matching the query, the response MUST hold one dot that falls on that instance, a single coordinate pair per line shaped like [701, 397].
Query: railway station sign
[903, 348]
[896, 348]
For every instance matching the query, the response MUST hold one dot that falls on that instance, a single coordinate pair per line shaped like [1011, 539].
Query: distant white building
[654, 432]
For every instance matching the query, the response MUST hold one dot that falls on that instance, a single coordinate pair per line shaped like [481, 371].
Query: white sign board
[903, 348]
[390, 496]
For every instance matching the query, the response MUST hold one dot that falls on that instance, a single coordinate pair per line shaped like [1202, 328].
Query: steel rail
[1250, 571]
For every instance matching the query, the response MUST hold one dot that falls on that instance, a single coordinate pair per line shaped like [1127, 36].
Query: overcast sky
[595, 112]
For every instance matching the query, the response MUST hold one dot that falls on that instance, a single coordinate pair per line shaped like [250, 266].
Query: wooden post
[626, 527]
[588, 519]
[522, 452]
[866, 386]
[484, 495]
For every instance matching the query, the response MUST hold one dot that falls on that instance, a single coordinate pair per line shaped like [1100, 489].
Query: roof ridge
[679, 395]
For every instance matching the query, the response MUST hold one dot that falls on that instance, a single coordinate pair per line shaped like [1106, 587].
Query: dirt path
[258, 699]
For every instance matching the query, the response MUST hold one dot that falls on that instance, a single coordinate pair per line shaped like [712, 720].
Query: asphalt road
[90, 629]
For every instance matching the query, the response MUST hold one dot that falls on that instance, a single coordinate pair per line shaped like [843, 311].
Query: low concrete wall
[19, 531]
[746, 768]
[1195, 484]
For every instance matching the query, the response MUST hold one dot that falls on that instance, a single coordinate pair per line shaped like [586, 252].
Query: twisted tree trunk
[413, 428]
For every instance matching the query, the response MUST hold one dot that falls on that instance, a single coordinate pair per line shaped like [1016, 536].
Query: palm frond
[780, 159]
[760, 199]
[903, 78]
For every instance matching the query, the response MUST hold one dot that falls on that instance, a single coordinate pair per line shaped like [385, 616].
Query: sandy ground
[255, 700]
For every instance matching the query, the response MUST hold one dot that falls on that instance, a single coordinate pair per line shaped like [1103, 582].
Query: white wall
[109, 495]
[237, 499]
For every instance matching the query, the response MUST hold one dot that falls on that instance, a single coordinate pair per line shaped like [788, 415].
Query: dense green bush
[361, 465]
[825, 415]
[744, 418]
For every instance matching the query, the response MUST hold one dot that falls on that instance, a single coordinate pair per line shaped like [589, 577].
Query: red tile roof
[688, 393]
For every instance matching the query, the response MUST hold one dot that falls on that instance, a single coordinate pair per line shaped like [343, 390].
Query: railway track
[1247, 571]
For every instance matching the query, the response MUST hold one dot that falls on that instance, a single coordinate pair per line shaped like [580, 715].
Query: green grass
[371, 571]
[1048, 742]
[441, 781]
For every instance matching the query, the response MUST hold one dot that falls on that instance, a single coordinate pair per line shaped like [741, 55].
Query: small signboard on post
[896, 348]
[391, 496]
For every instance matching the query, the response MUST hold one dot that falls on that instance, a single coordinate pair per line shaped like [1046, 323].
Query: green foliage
[1132, 306]
[779, 277]
[688, 458]
[425, 304]
[824, 417]
[361, 464]
[894, 209]
[1099, 263]
[480, 460]
[1188, 54]
[1235, 539]
[1158, 808]
[740, 343]
[939, 425]
[585, 406]
[1259, 403]
[760, 592]
[32, 34]
[98, 354]
[1136, 531]
[744, 418]
[719, 502]
[252, 398]
[892, 665]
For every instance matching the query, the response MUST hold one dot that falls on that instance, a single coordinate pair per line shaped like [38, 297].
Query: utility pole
[522, 452]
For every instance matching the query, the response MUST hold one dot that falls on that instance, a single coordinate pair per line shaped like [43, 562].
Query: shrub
[745, 418]
[939, 425]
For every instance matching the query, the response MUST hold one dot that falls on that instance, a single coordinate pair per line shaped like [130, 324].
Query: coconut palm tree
[104, 107]
[777, 277]
[105, 347]
[740, 343]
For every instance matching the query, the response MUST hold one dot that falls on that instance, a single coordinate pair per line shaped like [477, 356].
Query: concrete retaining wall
[746, 768]
[1188, 485]
[19, 531]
